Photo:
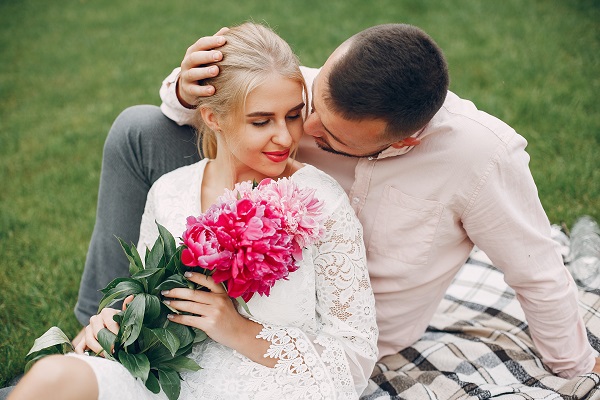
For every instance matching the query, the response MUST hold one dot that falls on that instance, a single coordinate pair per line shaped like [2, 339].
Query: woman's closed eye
[260, 123]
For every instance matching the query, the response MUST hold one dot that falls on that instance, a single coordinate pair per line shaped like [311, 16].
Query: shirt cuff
[170, 106]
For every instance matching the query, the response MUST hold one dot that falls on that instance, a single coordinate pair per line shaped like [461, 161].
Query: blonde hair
[252, 53]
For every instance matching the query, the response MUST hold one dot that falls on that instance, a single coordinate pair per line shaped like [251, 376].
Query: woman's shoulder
[186, 176]
[326, 188]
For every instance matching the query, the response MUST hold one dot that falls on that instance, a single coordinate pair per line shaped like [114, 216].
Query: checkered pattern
[478, 347]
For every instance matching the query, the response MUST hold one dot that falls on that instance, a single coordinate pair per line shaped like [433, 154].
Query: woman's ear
[211, 120]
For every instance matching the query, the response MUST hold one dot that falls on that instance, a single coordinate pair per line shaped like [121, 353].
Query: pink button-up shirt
[423, 208]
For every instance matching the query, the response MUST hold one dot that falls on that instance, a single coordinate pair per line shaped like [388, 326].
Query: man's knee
[132, 123]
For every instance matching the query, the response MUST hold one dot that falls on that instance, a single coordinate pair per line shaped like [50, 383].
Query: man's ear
[210, 118]
[406, 142]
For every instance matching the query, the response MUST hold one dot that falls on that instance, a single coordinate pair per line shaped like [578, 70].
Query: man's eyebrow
[312, 101]
[270, 114]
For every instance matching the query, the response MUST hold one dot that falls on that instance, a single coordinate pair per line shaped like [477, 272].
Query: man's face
[338, 135]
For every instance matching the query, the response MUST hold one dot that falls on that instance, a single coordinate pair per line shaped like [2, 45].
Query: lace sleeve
[338, 359]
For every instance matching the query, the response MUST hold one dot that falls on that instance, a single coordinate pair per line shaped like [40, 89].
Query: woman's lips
[277, 156]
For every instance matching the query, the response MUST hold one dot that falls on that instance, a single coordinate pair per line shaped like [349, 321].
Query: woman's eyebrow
[270, 113]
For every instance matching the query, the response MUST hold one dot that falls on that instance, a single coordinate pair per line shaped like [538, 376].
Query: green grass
[67, 68]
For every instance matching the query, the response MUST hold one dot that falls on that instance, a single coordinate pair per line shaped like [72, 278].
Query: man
[427, 173]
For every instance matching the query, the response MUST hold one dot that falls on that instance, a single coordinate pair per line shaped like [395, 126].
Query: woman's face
[269, 128]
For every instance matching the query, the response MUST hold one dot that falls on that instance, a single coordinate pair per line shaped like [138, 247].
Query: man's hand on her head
[194, 69]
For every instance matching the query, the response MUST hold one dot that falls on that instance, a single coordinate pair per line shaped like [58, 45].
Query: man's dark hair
[394, 72]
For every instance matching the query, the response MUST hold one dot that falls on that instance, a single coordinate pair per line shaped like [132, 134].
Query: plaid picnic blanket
[478, 346]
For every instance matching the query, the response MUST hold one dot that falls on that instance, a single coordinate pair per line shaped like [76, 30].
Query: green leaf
[145, 273]
[35, 356]
[175, 265]
[185, 334]
[52, 337]
[113, 284]
[152, 310]
[172, 282]
[168, 241]
[147, 340]
[137, 364]
[181, 364]
[122, 289]
[135, 262]
[138, 260]
[242, 303]
[107, 340]
[201, 336]
[156, 279]
[152, 383]
[170, 382]
[133, 318]
[156, 255]
[185, 350]
[158, 355]
[168, 339]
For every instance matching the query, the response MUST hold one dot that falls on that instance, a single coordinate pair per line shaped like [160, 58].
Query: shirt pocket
[405, 227]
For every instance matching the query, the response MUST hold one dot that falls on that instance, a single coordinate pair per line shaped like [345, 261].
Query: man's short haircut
[394, 72]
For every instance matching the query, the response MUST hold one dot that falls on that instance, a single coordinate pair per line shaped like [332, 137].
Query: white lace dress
[320, 322]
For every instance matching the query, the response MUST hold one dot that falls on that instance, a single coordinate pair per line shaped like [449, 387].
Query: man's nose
[311, 125]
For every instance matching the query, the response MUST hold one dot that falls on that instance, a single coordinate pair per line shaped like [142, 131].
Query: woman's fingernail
[164, 292]
[170, 316]
[188, 274]
[167, 302]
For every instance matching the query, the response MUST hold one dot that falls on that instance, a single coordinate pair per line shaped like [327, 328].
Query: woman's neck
[221, 174]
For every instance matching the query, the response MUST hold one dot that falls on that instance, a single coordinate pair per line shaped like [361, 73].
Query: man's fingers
[206, 43]
[222, 31]
[200, 90]
[200, 58]
[197, 74]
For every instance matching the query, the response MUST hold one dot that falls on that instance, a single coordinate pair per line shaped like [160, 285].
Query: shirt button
[355, 200]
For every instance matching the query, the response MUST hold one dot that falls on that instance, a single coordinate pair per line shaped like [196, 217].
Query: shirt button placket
[362, 180]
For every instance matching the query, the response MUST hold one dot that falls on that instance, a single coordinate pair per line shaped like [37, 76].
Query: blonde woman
[315, 336]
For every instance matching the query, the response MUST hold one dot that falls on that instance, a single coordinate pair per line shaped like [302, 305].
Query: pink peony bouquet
[253, 235]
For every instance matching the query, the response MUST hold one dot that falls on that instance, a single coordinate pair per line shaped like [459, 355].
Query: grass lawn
[69, 67]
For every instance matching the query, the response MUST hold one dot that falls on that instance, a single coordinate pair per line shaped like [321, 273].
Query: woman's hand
[194, 69]
[88, 338]
[213, 312]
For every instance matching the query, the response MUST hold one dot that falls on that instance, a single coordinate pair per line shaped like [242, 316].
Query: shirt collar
[393, 152]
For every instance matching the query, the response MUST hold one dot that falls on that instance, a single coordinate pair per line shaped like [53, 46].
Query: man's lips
[277, 156]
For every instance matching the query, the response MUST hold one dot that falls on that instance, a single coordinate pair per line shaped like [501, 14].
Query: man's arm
[506, 220]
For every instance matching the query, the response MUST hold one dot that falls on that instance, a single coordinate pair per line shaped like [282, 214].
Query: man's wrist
[179, 98]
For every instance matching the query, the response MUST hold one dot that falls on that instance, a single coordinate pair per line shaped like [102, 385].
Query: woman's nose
[283, 136]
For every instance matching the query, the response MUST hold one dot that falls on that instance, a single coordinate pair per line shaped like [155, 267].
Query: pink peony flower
[251, 238]
[202, 246]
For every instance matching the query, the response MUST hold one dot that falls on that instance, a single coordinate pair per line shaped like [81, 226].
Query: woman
[315, 336]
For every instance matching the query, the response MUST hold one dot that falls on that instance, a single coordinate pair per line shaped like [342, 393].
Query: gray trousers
[141, 146]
